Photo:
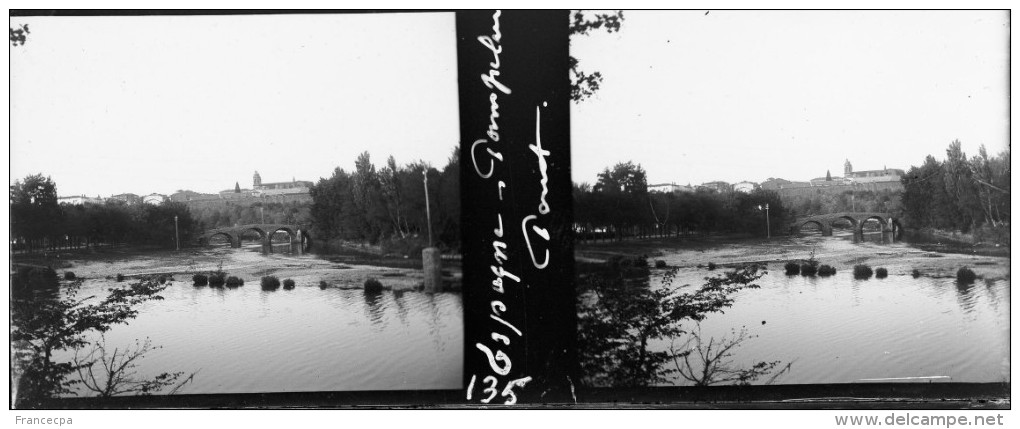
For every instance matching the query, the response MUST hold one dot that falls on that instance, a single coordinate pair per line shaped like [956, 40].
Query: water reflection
[843, 330]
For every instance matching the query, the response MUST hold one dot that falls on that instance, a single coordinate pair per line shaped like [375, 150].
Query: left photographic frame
[242, 209]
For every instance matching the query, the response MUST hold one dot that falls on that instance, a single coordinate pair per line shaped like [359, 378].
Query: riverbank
[336, 271]
[838, 251]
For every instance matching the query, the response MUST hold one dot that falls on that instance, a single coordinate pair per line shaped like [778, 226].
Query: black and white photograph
[233, 203]
[724, 209]
[791, 197]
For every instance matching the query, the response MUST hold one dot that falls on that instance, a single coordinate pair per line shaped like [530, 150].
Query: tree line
[619, 205]
[375, 205]
[39, 222]
[958, 193]
[230, 214]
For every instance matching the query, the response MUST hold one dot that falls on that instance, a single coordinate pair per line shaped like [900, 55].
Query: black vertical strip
[515, 130]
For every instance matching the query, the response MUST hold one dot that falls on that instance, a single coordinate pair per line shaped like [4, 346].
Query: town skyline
[697, 96]
[199, 102]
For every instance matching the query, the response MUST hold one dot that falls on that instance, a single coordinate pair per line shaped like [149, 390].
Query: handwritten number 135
[508, 391]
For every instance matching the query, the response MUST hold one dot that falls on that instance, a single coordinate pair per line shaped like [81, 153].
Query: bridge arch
[823, 227]
[231, 239]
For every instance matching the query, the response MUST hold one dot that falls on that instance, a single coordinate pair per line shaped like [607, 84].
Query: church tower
[256, 181]
[848, 169]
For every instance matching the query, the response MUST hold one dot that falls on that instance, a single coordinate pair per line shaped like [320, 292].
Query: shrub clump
[373, 285]
[69, 275]
[711, 266]
[965, 275]
[270, 283]
[323, 285]
[792, 268]
[826, 270]
[234, 281]
[120, 277]
[217, 279]
[862, 272]
[916, 273]
[200, 279]
[808, 269]
[161, 279]
[881, 273]
[288, 284]
[660, 264]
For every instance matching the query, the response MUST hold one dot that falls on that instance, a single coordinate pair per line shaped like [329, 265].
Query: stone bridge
[297, 236]
[891, 227]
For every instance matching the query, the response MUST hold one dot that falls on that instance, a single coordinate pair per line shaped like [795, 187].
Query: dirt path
[841, 253]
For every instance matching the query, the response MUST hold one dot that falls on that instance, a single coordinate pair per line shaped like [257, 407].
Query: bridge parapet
[891, 227]
[297, 235]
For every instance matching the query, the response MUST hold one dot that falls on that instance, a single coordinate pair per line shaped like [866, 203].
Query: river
[841, 330]
[244, 339]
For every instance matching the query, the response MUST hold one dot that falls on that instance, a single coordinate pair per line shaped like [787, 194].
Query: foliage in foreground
[618, 320]
[42, 326]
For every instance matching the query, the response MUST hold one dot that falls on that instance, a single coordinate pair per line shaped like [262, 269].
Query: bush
[270, 283]
[965, 275]
[323, 285]
[161, 279]
[200, 279]
[808, 270]
[120, 277]
[288, 284]
[881, 273]
[234, 281]
[373, 285]
[915, 273]
[660, 264]
[217, 279]
[862, 272]
[711, 266]
[792, 268]
[69, 275]
[826, 270]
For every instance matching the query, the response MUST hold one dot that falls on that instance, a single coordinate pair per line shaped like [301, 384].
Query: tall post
[768, 227]
[177, 234]
[428, 213]
[431, 260]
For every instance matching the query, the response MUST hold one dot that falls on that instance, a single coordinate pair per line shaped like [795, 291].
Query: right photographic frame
[792, 206]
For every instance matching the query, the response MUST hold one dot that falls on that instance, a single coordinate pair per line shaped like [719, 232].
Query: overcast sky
[750, 95]
[106, 105]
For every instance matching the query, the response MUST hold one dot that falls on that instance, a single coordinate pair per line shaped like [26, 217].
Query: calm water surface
[839, 330]
[306, 339]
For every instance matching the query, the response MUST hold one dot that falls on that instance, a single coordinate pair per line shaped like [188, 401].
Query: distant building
[745, 187]
[718, 186]
[185, 196]
[664, 188]
[870, 176]
[126, 198]
[279, 188]
[79, 200]
[154, 199]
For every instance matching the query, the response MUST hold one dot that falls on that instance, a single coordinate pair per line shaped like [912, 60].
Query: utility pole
[428, 214]
[177, 234]
[768, 228]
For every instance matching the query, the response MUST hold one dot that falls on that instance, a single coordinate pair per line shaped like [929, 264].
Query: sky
[110, 105]
[738, 95]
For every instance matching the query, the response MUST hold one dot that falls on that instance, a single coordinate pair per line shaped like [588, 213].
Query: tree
[34, 209]
[618, 323]
[583, 85]
[112, 373]
[42, 325]
[705, 364]
[237, 187]
[828, 176]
